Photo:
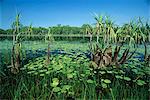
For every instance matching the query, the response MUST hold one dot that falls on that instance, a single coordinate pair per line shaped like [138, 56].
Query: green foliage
[72, 76]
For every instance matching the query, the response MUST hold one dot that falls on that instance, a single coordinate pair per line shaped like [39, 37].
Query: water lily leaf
[83, 75]
[41, 74]
[104, 85]
[140, 82]
[66, 87]
[107, 81]
[69, 76]
[55, 82]
[109, 72]
[90, 81]
[122, 72]
[135, 70]
[48, 72]
[87, 72]
[116, 72]
[57, 66]
[56, 89]
[147, 70]
[43, 70]
[141, 73]
[69, 70]
[36, 73]
[127, 78]
[119, 77]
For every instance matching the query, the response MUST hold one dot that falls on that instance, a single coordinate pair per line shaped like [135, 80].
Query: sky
[47, 13]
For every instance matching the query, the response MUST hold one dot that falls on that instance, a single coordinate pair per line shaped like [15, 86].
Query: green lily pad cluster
[67, 73]
[63, 71]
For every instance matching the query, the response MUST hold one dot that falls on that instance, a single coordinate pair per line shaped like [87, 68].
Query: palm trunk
[17, 64]
[12, 57]
[15, 59]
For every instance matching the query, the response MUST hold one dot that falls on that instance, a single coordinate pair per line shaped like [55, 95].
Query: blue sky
[70, 12]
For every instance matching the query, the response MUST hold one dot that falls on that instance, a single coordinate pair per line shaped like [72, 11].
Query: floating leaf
[87, 72]
[135, 70]
[69, 76]
[141, 73]
[107, 81]
[65, 88]
[104, 85]
[109, 72]
[122, 72]
[48, 72]
[83, 75]
[36, 73]
[41, 74]
[55, 82]
[56, 89]
[119, 77]
[90, 81]
[140, 82]
[43, 70]
[127, 78]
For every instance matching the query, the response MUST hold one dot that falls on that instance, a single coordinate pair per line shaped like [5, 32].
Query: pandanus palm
[16, 25]
[29, 31]
[109, 31]
[99, 26]
[142, 30]
[16, 49]
[49, 38]
[146, 31]
[90, 31]
[137, 31]
[125, 32]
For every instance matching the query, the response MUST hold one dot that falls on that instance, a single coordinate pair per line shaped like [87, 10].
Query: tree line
[134, 31]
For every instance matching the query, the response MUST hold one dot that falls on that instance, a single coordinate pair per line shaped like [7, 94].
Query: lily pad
[104, 85]
[127, 78]
[90, 81]
[55, 82]
[140, 82]
[107, 81]
[56, 89]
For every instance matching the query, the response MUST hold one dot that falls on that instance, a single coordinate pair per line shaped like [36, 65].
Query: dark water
[30, 55]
